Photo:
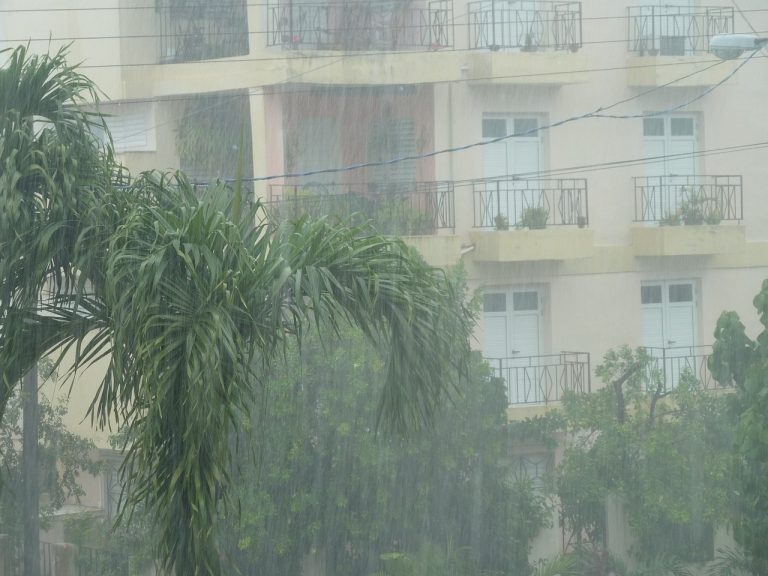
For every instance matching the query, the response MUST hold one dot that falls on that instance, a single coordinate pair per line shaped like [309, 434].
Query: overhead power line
[597, 113]
[247, 5]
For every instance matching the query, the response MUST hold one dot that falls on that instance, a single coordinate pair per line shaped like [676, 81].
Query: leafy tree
[743, 362]
[323, 481]
[665, 454]
[63, 457]
[190, 297]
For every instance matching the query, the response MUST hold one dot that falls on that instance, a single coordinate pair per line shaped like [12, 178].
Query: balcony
[690, 211]
[542, 379]
[500, 25]
[672, 364]
[360, 26]
[669, 34]
[531, 219]
[194, 31]
[407, 209]
[525, 43]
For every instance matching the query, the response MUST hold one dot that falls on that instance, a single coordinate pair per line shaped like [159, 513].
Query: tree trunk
[31, 476]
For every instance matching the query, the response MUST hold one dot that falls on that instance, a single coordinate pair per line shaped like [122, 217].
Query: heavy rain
[383, 288]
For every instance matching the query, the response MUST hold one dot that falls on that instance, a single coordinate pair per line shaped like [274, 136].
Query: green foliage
[188, 303]
[535, 218]
[664, 454]
[325, 483]
[63, 456]
[741, 361]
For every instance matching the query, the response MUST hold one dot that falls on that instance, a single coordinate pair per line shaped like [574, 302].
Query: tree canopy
[190, 297]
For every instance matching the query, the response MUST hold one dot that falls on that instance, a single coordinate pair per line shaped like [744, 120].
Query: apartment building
[604, 187]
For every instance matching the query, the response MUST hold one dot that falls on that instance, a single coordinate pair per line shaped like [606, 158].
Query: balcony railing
[670, 365]
[360, 25]
[676, 30]
[542, 379]
[192, 31]
[526, 25]
[562, 202]
[688, 199]
[420, 208]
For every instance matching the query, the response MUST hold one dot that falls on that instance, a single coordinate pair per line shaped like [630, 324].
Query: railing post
[589, 373]
[493, 25]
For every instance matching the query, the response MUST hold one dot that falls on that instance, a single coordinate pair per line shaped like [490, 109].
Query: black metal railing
[418, 208]
[543, 379]
[668, 366]
[688, 199]
[527, 25]
[505, 202]
[194, 30]
[360, 25]
[676, 30]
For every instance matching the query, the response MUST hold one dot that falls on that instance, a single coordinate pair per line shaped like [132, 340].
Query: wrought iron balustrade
[418, 208]
[543, 379]
[527, 25]
[564, 201]
[360, 25]
[688, 199]
[676, 30]
[668, 366]
[194, 30]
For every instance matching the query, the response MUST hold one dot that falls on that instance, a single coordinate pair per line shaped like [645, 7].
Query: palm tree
[190, 297]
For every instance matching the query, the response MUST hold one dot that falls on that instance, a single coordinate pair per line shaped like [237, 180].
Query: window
[132, 125]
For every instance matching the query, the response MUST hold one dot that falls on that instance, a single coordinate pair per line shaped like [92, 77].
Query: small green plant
[501, 222]
[534, 218]
[699, 209]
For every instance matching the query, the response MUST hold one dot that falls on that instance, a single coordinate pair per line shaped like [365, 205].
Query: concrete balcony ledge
[440, 250]
[651, 71]
[553, 243]
[688, 240]
[553, 68]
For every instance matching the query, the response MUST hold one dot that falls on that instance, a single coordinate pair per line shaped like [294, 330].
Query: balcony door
[512, 330]
[669, 325]
[672, 143]
[505, 161]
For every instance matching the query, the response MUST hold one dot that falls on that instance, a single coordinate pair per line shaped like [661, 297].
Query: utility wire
[202, 5]
[252, 93]
[328, 30]
[586, 168]
[615, 164]
[597, 113]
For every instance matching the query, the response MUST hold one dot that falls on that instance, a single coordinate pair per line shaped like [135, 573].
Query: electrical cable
[597, 113]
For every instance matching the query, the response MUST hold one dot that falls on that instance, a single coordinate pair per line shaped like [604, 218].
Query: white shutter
[495, 336]
[495, 160]
[525, 334]
[653, 326]
[131, 125]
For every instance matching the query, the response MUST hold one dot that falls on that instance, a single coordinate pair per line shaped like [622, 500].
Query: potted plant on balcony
[699, 209]
[534, 218]
[501, 222]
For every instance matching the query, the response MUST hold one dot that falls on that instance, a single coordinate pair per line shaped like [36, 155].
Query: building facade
[588, 203]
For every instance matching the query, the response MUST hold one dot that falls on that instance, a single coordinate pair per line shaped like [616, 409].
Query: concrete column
[261, 141]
